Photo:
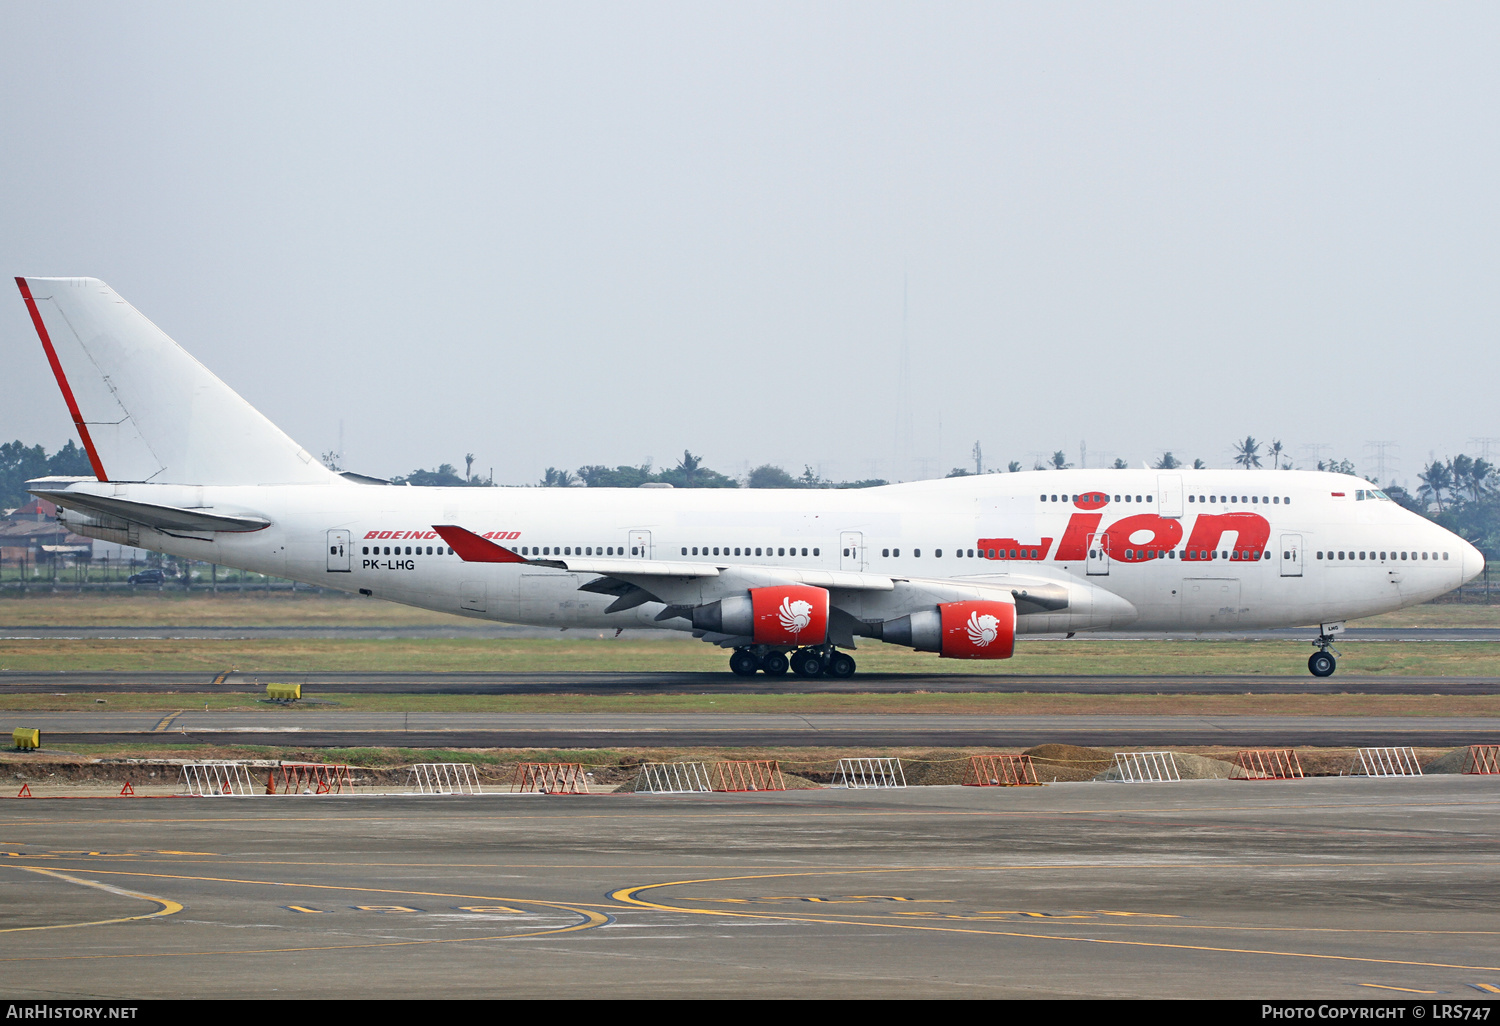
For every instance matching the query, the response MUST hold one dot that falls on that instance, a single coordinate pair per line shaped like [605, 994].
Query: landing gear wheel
[743, 663]
[807, 664]
[1321, 664]
[774, 664]
[841, 665]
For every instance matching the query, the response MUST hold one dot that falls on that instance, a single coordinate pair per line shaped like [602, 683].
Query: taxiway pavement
[1339, 888]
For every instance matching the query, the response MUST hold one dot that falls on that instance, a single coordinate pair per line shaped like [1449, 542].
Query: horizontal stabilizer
[149, 514]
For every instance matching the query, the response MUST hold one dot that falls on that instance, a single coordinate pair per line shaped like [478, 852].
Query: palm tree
[1060, 460]
[1247, 453]
[1199, 465]
[1482, 477]
[1168, 462]
[554, 478]
[1275, 449]
[1436, 479]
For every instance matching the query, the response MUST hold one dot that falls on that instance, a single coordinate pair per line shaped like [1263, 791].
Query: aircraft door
[1097, 563]
[640, 544]
[1169, 495]
[1291, 555]
[338, 552]
[851, 550]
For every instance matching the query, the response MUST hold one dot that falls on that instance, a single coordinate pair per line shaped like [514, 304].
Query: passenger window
[916, 553]
[1191, 498]
[971, 553]
[1445, 555]
[1043, 498]
[684, 550]
[1286, 500]
[815, 552]
[896, 552]
[846, 552]
[1275, 498]
[1117, 498]
[937, 553]
[781, 552]
[886, 553]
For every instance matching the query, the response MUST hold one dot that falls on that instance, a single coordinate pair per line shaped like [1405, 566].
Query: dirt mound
[1068, 762]
[1452, 762]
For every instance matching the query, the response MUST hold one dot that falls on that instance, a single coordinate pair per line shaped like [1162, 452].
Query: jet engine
[787, 614]
[958, 630]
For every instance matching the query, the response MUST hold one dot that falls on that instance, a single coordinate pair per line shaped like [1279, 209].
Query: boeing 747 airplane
[784, 579]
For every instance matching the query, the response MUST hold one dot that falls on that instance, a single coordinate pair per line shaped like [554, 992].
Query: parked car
[152, 576]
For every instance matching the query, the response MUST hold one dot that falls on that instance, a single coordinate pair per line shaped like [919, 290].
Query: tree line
[20, 463]
[690, 472]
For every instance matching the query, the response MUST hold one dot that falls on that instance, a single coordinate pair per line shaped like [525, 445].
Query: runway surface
[672, 683]
[1332, 888]
[322, 727]
[470, 629]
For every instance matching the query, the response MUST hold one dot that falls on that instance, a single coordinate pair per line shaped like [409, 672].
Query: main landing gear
[1322, 662]
[813, 661]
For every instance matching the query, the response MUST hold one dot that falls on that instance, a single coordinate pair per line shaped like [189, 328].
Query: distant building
[32, 534]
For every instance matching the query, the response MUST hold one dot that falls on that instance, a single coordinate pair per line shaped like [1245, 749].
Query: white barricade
[1389, 762]
[869, 773]
[213, 779]
[672, 778]
[443, 778]
[1146, 767]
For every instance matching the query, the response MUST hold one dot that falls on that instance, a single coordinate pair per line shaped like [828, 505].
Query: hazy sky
[554, 234]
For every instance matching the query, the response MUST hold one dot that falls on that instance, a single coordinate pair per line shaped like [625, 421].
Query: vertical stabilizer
[145, 409]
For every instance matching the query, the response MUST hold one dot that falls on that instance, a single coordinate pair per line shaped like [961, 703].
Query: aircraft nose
[1473, 561]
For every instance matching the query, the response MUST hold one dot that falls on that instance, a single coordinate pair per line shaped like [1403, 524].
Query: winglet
[473, 549]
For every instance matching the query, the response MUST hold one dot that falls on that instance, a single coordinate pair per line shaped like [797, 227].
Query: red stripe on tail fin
[62, 380]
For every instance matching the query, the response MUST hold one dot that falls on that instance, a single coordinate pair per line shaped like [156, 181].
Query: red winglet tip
[473, 549]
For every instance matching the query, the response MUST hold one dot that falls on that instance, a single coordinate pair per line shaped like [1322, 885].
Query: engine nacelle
[785, 614]
[958, 630]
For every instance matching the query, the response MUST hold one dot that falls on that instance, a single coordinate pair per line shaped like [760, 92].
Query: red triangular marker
[25, 792]
[127, 791]
[473, 549]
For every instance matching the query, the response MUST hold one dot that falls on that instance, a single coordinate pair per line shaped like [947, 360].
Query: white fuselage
[1156, 550]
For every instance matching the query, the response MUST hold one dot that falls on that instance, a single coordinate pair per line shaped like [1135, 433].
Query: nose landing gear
[813, 661]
